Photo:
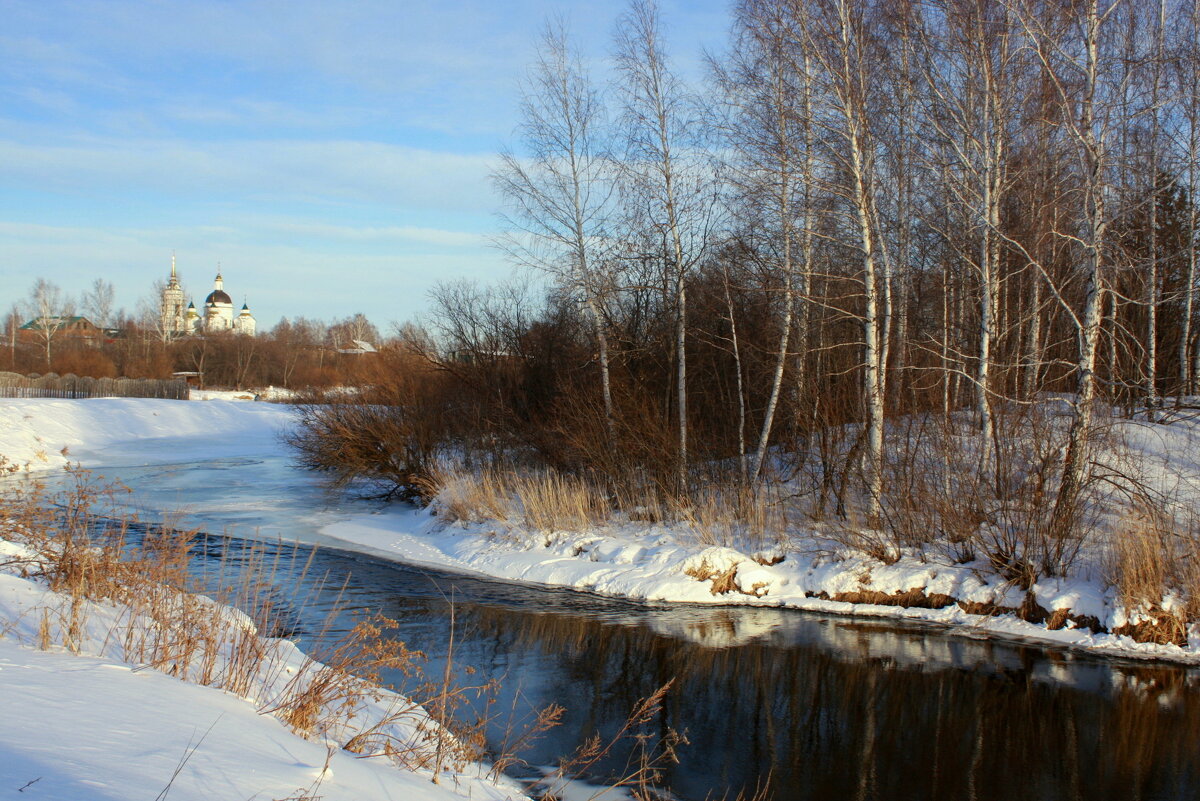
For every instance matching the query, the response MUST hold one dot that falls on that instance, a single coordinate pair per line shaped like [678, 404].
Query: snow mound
[46, 433]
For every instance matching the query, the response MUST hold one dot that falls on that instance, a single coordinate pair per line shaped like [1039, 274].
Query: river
[820, 707]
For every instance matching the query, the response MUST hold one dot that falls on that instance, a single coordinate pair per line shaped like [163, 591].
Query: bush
[389, 439]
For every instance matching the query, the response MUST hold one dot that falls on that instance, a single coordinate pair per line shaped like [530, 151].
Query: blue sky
[332, 156]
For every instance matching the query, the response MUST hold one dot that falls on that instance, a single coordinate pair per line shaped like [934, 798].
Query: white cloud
[372, 172]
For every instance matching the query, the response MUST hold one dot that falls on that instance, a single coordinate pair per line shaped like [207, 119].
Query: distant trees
[98, 303]
[50, 307]
[344, 333]
[297, 354]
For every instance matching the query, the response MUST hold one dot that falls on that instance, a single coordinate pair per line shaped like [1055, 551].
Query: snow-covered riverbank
[146, 692]
[654, 565]
[643, 561]
[44, 433]
[85, 716]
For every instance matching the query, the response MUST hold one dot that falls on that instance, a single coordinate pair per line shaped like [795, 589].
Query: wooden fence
[14, 385]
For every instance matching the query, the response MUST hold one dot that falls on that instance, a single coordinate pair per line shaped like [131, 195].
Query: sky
[331, 157]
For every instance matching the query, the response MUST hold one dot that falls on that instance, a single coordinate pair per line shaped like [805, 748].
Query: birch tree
[50, 307]
[840, 44]
[561, 189]
[1157, 91]
[669, 183]
[1187, 137]
[1074, 59]
[973, 87]
[99, 303]
[770, 130]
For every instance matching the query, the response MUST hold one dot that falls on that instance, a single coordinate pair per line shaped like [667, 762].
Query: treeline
[299, 354]
[871, 209]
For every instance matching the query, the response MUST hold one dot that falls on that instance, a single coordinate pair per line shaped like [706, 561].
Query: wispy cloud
[372, 172]
[333, 155]
[382, 234]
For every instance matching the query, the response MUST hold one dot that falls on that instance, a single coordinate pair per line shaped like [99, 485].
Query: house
[61, 328]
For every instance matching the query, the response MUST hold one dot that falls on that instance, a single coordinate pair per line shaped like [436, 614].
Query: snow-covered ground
[268, 394]
[655, 565]
[93, 723]
[45, 433]
[638, 561]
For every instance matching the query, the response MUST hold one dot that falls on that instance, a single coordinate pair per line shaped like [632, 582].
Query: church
[217, 315]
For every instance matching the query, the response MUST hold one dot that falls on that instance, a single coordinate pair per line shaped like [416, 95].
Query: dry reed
[136, 598]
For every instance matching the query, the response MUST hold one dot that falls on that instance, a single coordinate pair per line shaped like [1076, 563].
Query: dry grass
[642, 771]
[470, 496]
[1139, 558]
[1154, 563]
[549, 501]
[543, 501]
[729, 516]
[135, 598]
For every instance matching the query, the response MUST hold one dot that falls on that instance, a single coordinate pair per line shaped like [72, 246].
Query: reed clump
[551, 501]
[1154, 564]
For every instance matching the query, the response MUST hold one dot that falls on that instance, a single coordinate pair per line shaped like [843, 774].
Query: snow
[94, 724]
[641, 561]
[97, 725]
[43, 433]
[258, 394]
[81, 728]
[600, 562]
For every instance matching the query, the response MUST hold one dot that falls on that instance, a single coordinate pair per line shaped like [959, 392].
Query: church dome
[218, 296]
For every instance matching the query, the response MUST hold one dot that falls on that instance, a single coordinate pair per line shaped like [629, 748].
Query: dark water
[822, 707]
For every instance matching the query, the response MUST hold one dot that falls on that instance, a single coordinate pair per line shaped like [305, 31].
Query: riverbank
[808, 571]
[654, 565]
[114, 686]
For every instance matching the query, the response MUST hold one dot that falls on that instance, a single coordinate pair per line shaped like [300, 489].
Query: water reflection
[827, 708]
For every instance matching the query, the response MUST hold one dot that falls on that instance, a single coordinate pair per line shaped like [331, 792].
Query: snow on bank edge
[652, 564]
[89, 726]
[638, 562]
[43, 433]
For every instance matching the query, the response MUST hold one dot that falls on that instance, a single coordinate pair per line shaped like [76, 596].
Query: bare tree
[1074, 54]
[51, 308]
[671, 184]
[562, 189]
[357, 327]
[151, 321]
[1157, 69]
[1187, 136]
[13, 321]
[842, 47]
[768, 89]
[99, 303]
[974, 80]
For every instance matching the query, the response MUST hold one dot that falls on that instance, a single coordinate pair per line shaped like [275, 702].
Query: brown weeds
[136, 599]
[549, 501]
[1153, 559]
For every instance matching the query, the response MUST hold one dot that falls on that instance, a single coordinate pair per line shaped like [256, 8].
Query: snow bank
[41, 433]
[656, 564]
[267, 394]
[89, 725]
[653, 562]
